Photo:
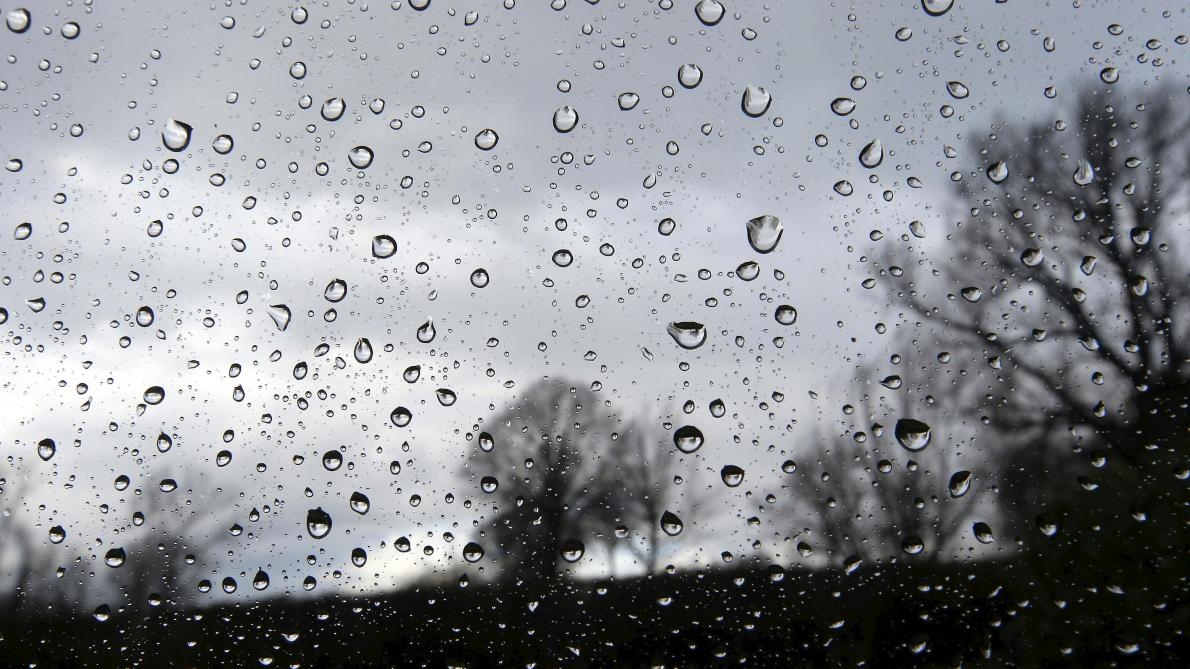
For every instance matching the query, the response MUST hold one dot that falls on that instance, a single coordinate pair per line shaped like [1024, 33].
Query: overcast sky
[135, 66]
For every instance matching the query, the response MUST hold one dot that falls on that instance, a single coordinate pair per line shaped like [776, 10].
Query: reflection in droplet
[912, 434]
[332, 110]
[565, 118]
[732, 475]
[363, 350]
[383, 246]
[360, 157]
[359, 503]
[688, 334]
[472, 552]
[764, 232]
[998, 171]
[710, 12]
[318, 523]
[671, 524]
[688, 438]
[46, 448]
[572, 550]
[401, 416]
[755, 101]
[486, 139]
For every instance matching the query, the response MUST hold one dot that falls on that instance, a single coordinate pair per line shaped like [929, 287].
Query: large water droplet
[688, 438]
[872, 154]
[360, 157]
[363, 350]
[1032, 257]
[971, 293]
[936, 7]
[479, 278]
[23, 231]
[998, 171]
[336, 290]
[732, 475]
[223, 144]
[401, 416]
[572, 550]
[912, 434]
[764, 232]
[842, 106]
[114, 557]
[1083, 173]
[755, 101]
[688, 334]
[565, 118]
[689, 75]
[18, 20]
[318, 523]
[446, 397]
[383, 246]
[957, 89]
[563, 258]
[144, 316]
[671, 524]
[785, 314]
[983, 533]
[46, 448]
[333, 108]
[426, 333]
[710, 12]
[960, 483]
[627, 101]
[261, 580]
[164, 442]
[472, 552]
[175, 135]
[57, 534]
[912, 545]
[359, 503]
[486, 139]
[281, 315]
[154, 395]
[332, 460]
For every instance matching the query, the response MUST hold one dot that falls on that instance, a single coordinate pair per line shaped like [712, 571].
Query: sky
[85, 116]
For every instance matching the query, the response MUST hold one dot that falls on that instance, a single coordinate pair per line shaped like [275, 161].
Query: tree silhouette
[555, 466]
[1062, 297]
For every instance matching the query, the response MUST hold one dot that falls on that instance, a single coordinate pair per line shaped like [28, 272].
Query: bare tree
[644, 487]
[552, 461]
[1063, 297]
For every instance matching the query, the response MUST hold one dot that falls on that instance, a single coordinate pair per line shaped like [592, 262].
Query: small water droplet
[18, 20]
[479, 278]
[842, 106]
[983, 533]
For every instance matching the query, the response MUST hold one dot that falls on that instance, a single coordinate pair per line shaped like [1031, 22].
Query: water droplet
[842, 106]
[297, 70]
[983, 533]
[318, 523]
[998, 171]
[383, 246]
[144, 317]
[164, 442]
[960, 483]
[710, 12]
[472, 552]
[332, 460]
[14, 164]
[261, 580]
[401, 416]
[46, 449]
[627, 101]
[486, 139]
[359, 503]
[688, 334]
[114, 557]
[360, 157]
[281, 315]
[412, 373]
[57, 534]
[872, 154]
[489, 484]
[176, 135]
[844, 188]
[565, 118]
[446, 396]
[957, 89]
[688, 438]
[572, 550]
[912, 434]
[912, 545]
[154, 395]
[223, 144]
[755, 101]
[332, 110]
[717, 408]
[748, 270]
[764, 232]
[1032, 257]
[426, 333]
[785, 314]
[299, 15]
[936, 7]
[336, 290]
[971, 293]
[671, 524]
[1083, 173]
[563, 258]
[363, 350]
[689, 75]
[732, 476]
[479, 278]
[18, 20]
[486, 443]
[1109, 75]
